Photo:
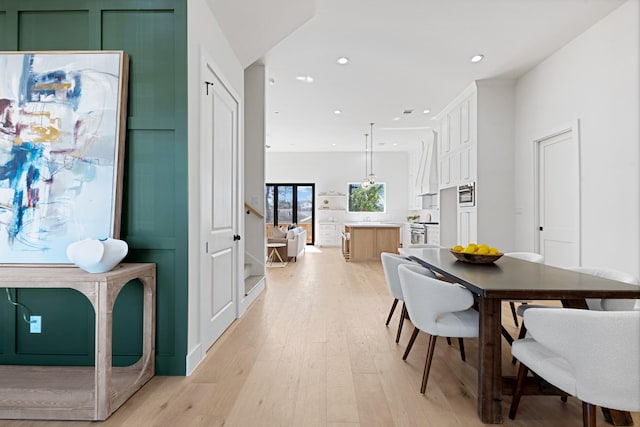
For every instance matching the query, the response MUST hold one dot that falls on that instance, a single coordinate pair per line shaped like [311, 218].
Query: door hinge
[206, 247]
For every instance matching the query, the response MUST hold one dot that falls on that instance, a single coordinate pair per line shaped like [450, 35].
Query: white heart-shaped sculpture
[97, 256]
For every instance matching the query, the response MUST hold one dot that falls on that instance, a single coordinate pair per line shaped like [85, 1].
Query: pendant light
[365, 181]
[372, 177]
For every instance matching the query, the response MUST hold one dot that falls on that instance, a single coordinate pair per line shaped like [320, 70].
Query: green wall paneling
[127, 324]
[154, 217]
[67, 321]
[3, 31]
[71, 30]
[151, 54]
[171, 308]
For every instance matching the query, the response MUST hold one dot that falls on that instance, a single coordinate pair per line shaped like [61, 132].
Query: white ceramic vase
[96, 255]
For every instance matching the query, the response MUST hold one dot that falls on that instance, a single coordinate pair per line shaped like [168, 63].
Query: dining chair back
[611, 304]
[592, 355]
[525, 256]
[390, 264]
[437, 307]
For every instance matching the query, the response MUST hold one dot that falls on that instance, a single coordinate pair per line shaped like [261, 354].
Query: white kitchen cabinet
[433, 235]
[457, 147]
[479, 148]
[467, 226]
[328, 234]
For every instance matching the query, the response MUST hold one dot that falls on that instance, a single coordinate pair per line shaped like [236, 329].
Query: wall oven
[467, 195]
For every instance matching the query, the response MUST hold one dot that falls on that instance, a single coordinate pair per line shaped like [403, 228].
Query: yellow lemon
[483, 246]
[493, 251]
[457, 248]
[482, 250]
[469, 249]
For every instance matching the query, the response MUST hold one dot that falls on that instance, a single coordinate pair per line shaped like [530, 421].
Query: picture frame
[366, 199]
[62, 133]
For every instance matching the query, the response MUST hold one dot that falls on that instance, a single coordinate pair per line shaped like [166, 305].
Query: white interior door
[559, 199]
[219, 163]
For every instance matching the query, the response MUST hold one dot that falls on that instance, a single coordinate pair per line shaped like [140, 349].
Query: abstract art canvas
[62, 126]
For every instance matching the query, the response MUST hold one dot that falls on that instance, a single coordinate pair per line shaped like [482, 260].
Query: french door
[288, 204]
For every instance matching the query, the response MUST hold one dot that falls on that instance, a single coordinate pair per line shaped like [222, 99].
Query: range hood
[427, 177]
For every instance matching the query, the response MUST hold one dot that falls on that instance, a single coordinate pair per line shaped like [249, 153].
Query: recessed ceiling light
[395, 119]
[477, 58]
[334, 144]
[343, 60]
[306, 79]
[337, 112]
[427, 111]
[395, 144]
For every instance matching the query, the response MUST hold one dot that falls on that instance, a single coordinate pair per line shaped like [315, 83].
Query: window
[288, 204]
[369, 199]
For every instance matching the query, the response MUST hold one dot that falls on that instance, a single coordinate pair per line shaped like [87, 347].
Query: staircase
[250, 280]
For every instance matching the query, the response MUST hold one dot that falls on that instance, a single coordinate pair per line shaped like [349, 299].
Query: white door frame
[574, 128]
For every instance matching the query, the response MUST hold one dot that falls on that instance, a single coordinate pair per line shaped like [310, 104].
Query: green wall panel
[67, 322]
[154, 215]
[127, 324]
[3, 31]
[150, 49]
[151, 180]
[53, 30]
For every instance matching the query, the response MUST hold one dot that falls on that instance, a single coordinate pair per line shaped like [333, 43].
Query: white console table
[80, 392]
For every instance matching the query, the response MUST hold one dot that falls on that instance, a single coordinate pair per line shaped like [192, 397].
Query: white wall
[332, 172]
[204, 37]
[254, 158]
[594, 79]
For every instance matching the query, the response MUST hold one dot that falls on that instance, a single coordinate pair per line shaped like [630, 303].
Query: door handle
[236, 237]
[541, 228]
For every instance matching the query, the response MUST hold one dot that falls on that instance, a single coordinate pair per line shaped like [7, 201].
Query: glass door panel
[304, 211]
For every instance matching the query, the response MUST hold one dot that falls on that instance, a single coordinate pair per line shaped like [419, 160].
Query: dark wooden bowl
[476, 258]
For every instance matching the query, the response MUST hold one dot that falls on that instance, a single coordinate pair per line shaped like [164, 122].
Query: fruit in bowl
[476, 254]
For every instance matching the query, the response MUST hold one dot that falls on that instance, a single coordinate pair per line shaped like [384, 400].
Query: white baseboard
[246, 301]
[194, 358]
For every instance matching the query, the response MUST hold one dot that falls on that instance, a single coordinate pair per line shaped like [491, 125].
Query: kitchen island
[365, 241]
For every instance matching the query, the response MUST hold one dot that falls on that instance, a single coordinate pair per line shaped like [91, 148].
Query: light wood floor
[313, 350]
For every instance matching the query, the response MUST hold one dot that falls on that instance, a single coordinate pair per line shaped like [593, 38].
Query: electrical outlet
[35, 324]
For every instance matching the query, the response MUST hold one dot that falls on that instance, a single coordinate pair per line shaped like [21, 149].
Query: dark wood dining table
[512, 279]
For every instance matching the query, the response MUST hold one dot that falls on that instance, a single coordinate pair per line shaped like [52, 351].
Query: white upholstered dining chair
[592, 355]
[438, 308]
[525, 256]
[595, 303]
[390, 264]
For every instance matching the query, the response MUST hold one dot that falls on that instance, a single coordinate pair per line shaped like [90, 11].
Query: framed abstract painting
[62, 129]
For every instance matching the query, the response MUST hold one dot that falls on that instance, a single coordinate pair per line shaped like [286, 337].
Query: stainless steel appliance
[467, 195]
[425, 233]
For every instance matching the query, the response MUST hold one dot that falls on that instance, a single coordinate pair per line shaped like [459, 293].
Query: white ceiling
[404, 54]
[254, 26]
